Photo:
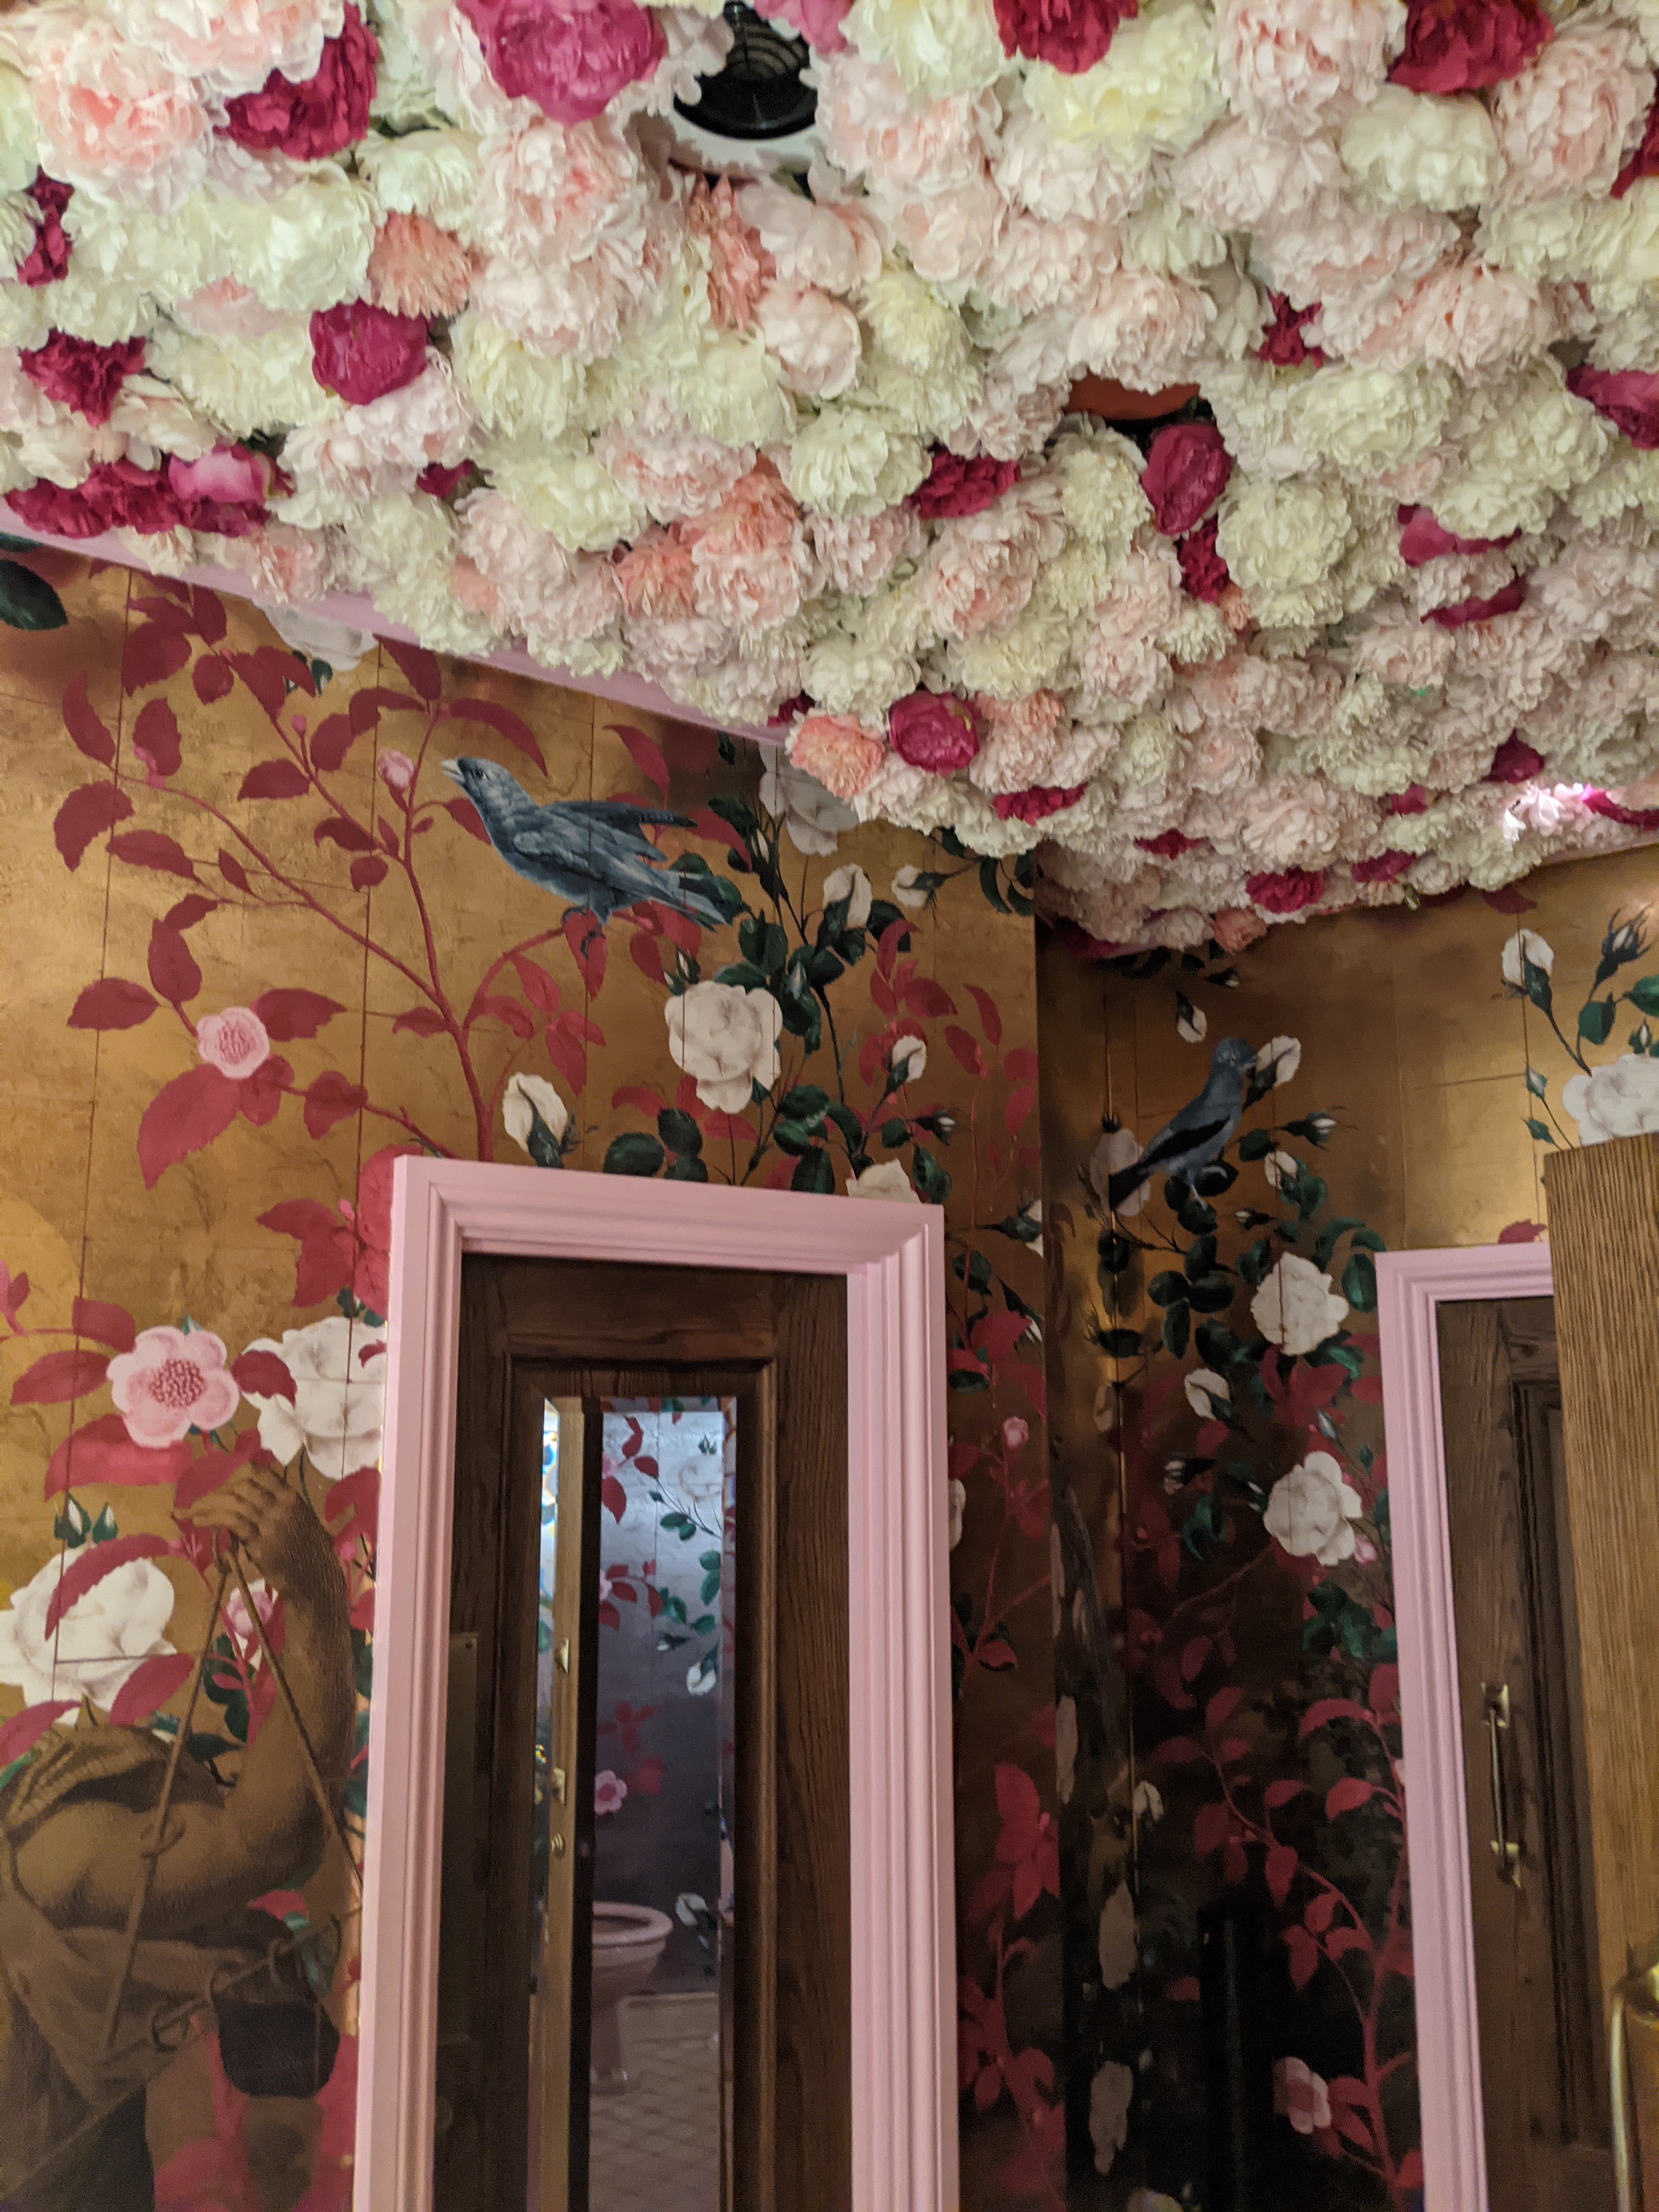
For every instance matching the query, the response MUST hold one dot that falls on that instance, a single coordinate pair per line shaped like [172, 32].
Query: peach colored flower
[1236, 927]
[856, 552]
[671, 469]
[111, 114]
[416, 269]
[748, 555]
[1019, 740]
[657, 578]
[234, 1041]
[173, 1381]
[739, 266]
[838, 750]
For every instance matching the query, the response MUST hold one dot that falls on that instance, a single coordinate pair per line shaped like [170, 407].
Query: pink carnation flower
[1629, 398]
[113, 496]
[1037, 803]
[572, 59]
[110, 113]
[1187, 470]
[838, 750]
[323, 114]
[227, 309]
[173, 1381]
[1296, 66]
[671, 469]
[1461, 45]
[234, 1041]
[1070, 35]
[48, 259]
[362, 351]
[930, 730]
[78, 373]
[954, 486]
[416, 269]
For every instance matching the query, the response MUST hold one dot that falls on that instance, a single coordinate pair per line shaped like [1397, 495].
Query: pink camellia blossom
[1504, 602]
[932, 731]
[1629, 398]
[225, 490]
[954, 486]
[78, 373]
[1188, 465]
[396, 771]
[1038, 804]
[234, 1041]
[1288, 890]
[1302, 2096]
[1203, 572]
[1515, 760]
[1461, 45]
[324, 115]
[1384, 867]
[1070, 35]
[112, 496]
[416, 268]
[1283, 345]
[838, 750]
[1422, 538]
[571, 60]
[362, 351]
[48, 259]
[1236, 927]
[610, 1792]
[111, 113]
[173, 1381]
[739, 266]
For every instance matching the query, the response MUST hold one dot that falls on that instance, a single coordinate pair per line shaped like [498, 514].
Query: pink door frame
[903, 1921]
[1411, 1288]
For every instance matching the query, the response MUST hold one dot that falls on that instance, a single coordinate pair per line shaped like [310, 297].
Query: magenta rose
[325, 113]
[1188, 465]
[1386, 868]
[930, 730]
[571, 60]
[1644, 161]
[78, 373]
[1413, 799]
[1286, 892]
[1283, 345]
[48, 259]
[363, 352]
[1461, 45]
[225, 491]
[1515, 760]
[1203, 571]
[957, 487]
[1070, 35]
[113, 496]
[1422, 538]
[1474, 610]
[1629, 398]
[1035, 805]
[440, 480]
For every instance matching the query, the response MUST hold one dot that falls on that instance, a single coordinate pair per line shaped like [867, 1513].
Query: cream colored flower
[1312, 1510]
[726, 1040]
[852, 885]
[529, 1099]
[1618, 1099]
[1296, 1308]
[1410, 149]
[1204, 1391]
[100, 1640]
[1109, 2095]
[335, 1415]
[1118, 1950]
[1525, 949]
[1279, 1059]
[887, 1179]
[1154, 92]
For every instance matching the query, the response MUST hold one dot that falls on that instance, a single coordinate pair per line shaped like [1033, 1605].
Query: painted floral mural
[276, 926]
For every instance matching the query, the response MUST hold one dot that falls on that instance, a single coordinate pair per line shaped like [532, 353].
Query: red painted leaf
[1177, 1750]
[467, 814]
[1325, 1709]
[212, 1468]
[1304, 1956]
[1281, 1868]
[171, 968]
[59, 1377]
[519, 1019]
[1341, 1940]
[288, 1014]
[114, 1004]
[332, 1098]
[339, 829]
[187, 911]
[612, 1497]
[365, 708]
[569, 1058]
[328, 1250]
[212, 679]
[1511, 899]
[1409, 2172]
[367, 870]
[102, 1451]
[966, 1049]
[86, 814]
[184, 1116]
[1212, 1826]
[152, 653]
[505, 723]
[275, 779]
[1280, 1793]
[418, 667]
[101, 1323]
[95, 1564]
[585, 938]
[996, 1655]
[233, 870]
[637, 1095]
[85, 727]
[262, 1091]
[263, 1375]
[357, 1498]
[996, 1334]
[1321, 1909]
[150, 848]
[155, 737]
[25, 1730]
[267, 673]
[990, 1019]
[924, 996]
[330, 741]
[1185, 1992]
[1193, 1657]
[149, 1686]
[1017, 1107]
[1222, 1707]
[642, 951]
[645, 754]
[419, 1021]
[1346, 1796]
[539, 987]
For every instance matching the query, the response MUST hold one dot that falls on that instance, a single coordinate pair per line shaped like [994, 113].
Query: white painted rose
[1618, 1099]
[338, 1407]
[1296, 1308]
[1312, 1510]
[726, 1039]
[100, 1640]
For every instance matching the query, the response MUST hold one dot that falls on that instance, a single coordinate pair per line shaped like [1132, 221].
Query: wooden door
[536, 1329]
[1542, 2061]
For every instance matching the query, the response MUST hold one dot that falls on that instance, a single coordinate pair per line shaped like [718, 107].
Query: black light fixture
[759, 93]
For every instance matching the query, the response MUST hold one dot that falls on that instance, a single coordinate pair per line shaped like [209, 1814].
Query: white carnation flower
[1409, 149]
[1156, 88]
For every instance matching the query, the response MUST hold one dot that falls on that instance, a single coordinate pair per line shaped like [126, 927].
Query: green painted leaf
[104, 1528]
[933, 1179]
[1536, 982]
[1216, 1345]
[1644, 995]
[1596, 1019]
[1541, 1131]
[1255, 1145]
[1112, 1253]
[1359, 1282]
[1175, 1324]
[1256, 1262]
[634, 1153]
[1211, 1294]
[1367, 1240]
[804, 1101]
[542, 1145]
[1330, 1235]
[1200, 1258]
[678, 1132]
[1121, 1343]
[683, 1168]
[27, 601]
[814, 1171]
[1167, 1288]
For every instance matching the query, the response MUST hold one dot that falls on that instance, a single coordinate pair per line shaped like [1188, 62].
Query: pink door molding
[903, 2087]
[1411, 1288]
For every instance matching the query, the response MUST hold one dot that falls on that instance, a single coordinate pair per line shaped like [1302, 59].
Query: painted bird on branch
[591, 852]
[1198, 1134]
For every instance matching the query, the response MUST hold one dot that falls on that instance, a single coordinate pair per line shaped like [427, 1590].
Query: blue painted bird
[1198, 1134]
[592, 852]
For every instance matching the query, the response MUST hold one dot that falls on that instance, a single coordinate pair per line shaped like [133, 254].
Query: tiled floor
[657, 2146]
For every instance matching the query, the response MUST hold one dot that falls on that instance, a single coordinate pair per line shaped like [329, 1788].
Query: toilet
[628, 1941]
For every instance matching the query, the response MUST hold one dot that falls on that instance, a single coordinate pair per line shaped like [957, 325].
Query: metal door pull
[1505, 1850]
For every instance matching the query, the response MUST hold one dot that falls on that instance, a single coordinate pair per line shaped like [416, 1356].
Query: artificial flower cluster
[431, 300]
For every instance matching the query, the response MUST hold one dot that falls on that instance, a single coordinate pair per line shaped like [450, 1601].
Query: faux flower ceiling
[432, 301]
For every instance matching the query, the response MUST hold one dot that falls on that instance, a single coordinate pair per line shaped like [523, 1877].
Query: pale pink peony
[1019, 740]
[173, 1381]
[1297, 65]
[1120, 656]
[112, 115]
[980, 569]
[855, 553]
[739, 266]
[1143, 328]
[814, 339]
[1324, 250]
[227, 309]
[380, 447]
[234, 44]
[838, 750]
[834, 245]
[285, 567]
[1237, 177]
[1032, 264]
[555, 598]
[1566, 124]
[870, 122]
[748, 555]
[671, 469]
[1471, 316]
[234, 1041]
[416, 269]
[949, 233]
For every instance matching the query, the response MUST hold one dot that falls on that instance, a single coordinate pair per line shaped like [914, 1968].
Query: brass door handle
[1505, 1850]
